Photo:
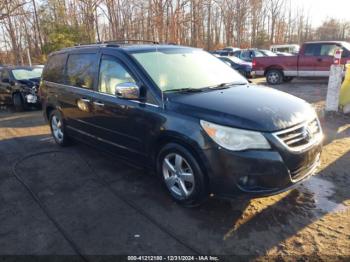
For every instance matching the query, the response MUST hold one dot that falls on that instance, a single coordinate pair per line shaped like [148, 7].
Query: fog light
[247, 181]
[244, 180]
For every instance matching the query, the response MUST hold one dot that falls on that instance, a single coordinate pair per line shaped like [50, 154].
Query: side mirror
[127, 90]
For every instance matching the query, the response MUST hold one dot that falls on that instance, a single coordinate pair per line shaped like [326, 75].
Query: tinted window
[4, 75]
[54, 69]
[312, 50]
[329, 49]
[112, 73]
[246, 55]
[81, 70]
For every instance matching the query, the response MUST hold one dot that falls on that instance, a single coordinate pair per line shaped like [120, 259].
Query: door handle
[85, 100]
[99, 104]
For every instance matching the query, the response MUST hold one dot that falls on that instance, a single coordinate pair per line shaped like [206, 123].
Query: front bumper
[257, 173]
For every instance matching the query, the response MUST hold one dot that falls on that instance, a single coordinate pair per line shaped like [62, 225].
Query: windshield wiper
[226, 85]
[184, 90]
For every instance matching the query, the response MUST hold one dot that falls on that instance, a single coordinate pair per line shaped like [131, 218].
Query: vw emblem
[307, 135]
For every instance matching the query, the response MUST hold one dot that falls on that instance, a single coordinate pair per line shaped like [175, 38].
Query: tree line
[31, 29]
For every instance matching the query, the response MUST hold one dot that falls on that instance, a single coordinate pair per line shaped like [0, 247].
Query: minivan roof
[126, 47]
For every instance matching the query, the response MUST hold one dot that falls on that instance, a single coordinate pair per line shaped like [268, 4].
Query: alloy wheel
[57, 131]
[178, 175]
[273, 77]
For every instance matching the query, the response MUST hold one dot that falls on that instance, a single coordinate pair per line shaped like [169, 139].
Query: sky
[319, 10]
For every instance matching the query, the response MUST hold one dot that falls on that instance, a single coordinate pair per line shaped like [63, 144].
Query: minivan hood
[245, 106]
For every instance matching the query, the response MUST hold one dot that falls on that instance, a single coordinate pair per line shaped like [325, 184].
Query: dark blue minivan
[183, 113]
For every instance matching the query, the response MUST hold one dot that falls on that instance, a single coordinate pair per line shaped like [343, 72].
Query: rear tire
[182, 175]
[58, 128]
[274, 77]
[18, 102]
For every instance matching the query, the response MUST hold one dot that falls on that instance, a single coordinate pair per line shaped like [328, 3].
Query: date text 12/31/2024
[173, 258]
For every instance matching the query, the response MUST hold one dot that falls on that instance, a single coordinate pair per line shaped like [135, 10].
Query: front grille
[300, 135]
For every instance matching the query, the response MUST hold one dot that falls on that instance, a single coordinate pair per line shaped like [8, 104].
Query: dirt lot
[81, 201]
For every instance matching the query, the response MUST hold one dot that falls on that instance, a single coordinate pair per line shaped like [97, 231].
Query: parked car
[314, 60]
[183, 113]
[19, 86]
[222, 53]
[231, 49]
[267, 52]
[283, 54]
[243, 67]
[288, 48]
[248, 54]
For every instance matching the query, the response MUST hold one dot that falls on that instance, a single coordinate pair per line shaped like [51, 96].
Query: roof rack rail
[117, 43]
[114, 43]
[125, 41]
[95, 44]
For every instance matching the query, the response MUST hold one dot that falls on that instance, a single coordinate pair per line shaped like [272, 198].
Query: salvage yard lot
[80, 201]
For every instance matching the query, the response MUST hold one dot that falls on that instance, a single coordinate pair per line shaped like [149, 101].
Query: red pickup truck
[314, 60]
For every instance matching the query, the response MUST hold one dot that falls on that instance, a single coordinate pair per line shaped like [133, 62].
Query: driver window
[112, 73]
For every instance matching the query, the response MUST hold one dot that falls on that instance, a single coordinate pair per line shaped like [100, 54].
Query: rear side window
[54, 69]
[81, 70]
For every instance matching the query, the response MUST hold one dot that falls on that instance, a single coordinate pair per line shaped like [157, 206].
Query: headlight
[235, 139]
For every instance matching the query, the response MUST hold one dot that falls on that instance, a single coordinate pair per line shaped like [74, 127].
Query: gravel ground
[91, 203]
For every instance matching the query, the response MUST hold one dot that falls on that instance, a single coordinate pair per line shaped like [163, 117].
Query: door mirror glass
[127, 90]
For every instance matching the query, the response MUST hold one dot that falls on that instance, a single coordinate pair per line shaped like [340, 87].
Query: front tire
[18, 102]
[274, 77]
[182, 175]
[58, 129]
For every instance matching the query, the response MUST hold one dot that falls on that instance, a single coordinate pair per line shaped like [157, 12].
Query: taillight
[253, 63]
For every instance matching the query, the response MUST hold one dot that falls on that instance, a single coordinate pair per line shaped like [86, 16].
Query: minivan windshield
[186, 68]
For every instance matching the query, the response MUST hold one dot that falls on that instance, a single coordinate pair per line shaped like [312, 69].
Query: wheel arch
[177, 138]
[274, 67]
[48, 110]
